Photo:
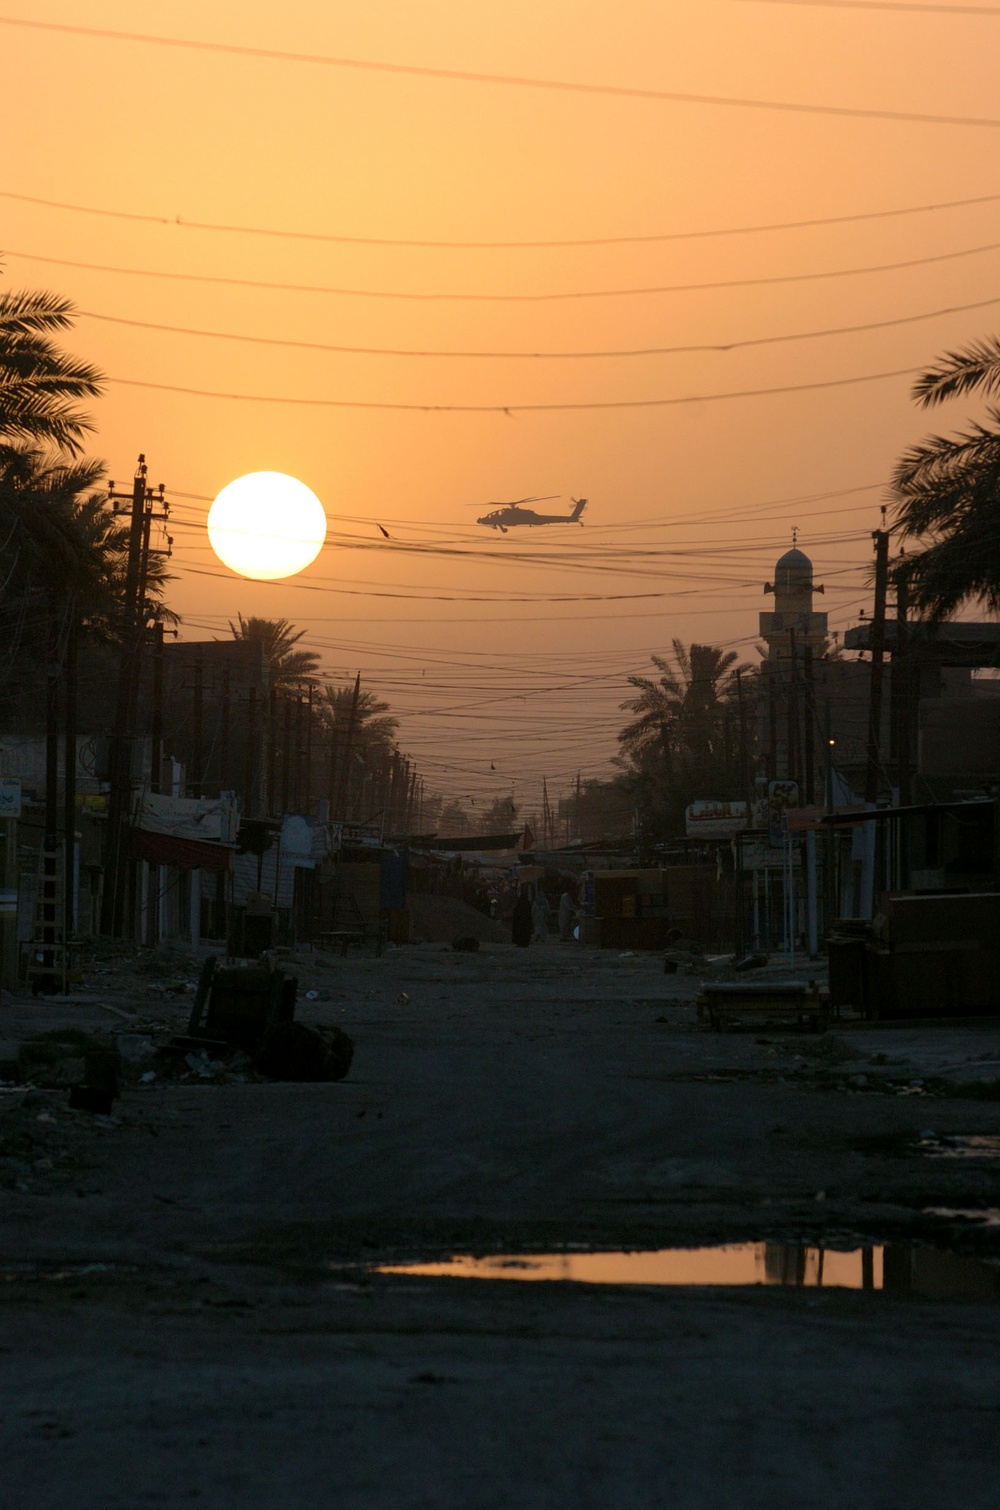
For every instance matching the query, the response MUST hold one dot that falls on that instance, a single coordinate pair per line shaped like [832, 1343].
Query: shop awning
[189, 854]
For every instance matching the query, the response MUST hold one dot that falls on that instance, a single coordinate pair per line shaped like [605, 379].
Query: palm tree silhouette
[683, 710]
[41, 385]
[947, 491]
[288, 668]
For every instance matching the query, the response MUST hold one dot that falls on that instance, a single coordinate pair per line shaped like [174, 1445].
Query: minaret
[793, 620]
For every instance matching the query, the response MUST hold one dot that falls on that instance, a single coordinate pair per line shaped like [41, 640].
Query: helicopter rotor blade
[512, 503]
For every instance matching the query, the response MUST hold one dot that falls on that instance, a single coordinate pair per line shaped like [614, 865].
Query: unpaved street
[190, 1312]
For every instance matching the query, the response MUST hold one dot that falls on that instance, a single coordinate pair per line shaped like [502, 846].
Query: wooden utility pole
[745, 782]
[141, 505]
[902, 694]
[809, 725]
[794, 773]
[331, 775]
[250, 769]
[52, 670]
[198, 735]
[272, 752]
[874, 765]
[156, 730]
[225, 731]
[344, 784]
[307, 778]
[772, 726]
[286, 762]
[69, 768]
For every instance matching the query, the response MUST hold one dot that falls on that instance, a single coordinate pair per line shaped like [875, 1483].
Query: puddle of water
[899, 1267]
[960, 1146]
[986, 1216]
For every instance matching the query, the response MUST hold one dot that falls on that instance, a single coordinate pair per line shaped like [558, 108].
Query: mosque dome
[793, 572]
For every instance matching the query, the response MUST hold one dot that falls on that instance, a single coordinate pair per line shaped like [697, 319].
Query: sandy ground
[189, 1310]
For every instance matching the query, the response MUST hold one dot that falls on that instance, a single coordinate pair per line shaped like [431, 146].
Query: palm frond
[958, 372]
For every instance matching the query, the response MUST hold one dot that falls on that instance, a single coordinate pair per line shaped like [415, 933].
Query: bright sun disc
[267, 525]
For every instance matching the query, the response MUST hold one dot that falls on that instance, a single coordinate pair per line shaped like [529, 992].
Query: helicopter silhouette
[506, 516]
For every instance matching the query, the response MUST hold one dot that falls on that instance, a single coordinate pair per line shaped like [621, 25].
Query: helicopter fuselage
[513, 516]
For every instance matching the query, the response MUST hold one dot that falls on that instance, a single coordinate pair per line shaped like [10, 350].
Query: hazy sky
[486, 656]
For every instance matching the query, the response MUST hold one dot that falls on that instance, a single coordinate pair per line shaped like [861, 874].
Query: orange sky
[530, 685]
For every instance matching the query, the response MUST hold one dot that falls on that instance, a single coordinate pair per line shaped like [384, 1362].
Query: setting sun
[267, 525]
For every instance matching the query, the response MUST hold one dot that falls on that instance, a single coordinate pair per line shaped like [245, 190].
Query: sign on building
[715, 820]
[10, 796]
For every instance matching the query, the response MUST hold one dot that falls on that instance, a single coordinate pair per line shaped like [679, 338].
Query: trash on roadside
[239, 1003]
[88, 1098]
[295, 1051]
[750, 962]
[135, 1047]
[402, 999]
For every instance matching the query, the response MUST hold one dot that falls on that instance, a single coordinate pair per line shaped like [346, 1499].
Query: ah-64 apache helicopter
[507, 515]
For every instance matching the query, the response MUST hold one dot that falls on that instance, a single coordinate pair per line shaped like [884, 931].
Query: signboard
[8, 902]
[10, 796]
[715, 820]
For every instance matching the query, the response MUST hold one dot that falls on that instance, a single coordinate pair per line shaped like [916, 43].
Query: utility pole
[156, 730]
[272, 752]
[873, 769]
[52, 670]
[809, 726]
[198, 734]
[331, 775]
[250, 775]
[225, 732]
[794, 773]
[744, 751]
[772, 726]
[902, 692]
[307, 803]
[69, 771]
[141, 504]
[344, 784]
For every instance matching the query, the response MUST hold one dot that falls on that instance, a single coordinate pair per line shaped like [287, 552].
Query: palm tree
[288, 668]
[58, 542]
[682, 710]
[947, 491]
[374, 727]
[684, 743]
[40, 385]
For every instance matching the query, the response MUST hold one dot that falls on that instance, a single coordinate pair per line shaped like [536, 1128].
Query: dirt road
[190, 1312]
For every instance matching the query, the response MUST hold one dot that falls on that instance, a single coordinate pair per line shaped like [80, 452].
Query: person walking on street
[540, 918]
[567, 914]
[520, 924]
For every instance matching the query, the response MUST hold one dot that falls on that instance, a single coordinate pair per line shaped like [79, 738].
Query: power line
[521, 81]
[510, 409]
[182, 223]
[369, 592]
[724, 517]
[901, 5]
[452, 297]
[643, 351]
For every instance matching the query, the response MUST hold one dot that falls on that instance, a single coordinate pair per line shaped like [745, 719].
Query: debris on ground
[295, 1051]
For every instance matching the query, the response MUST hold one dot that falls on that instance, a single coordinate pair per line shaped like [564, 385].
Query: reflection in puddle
[896, 1266]
[960, 1146]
